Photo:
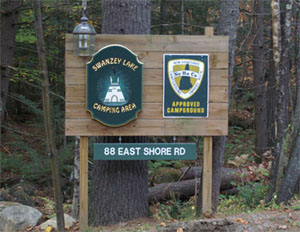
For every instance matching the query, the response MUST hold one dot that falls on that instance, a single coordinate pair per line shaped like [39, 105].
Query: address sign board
[144, 151]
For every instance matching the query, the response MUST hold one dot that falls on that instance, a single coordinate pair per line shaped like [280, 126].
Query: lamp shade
[84, 38]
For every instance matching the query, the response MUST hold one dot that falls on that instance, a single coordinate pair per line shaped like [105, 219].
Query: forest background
[264, 109]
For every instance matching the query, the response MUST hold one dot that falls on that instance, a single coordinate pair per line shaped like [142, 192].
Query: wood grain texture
[146, 127]
[150, 50]
[83, 184]
[151, 94]
[207, 175]
[77, 110]
[77, 76]
[156, 43]
[153, 59]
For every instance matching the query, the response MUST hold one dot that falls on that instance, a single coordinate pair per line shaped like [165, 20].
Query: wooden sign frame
[150, 122]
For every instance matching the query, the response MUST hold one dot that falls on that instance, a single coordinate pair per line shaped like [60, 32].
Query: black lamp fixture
[84, 35]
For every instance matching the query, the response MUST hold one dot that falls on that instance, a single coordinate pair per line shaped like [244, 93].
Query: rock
[15, 216]
[52, 222]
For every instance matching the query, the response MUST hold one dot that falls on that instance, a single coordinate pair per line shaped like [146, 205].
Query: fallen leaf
[163, 224]
[179, 229]
[48, 229]
[242, 221]
[282, 227]
[294, 223]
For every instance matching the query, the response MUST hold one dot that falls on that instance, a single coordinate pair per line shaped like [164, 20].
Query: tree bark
[52, 150]
[227, 25]
[296, 113]
[271, 92]
[8, 32]
[276, 32]
[281, 43]
[261, 141]
[290, 180]
[164, 4]
[76, 175]
[284, 96]
[120, 192]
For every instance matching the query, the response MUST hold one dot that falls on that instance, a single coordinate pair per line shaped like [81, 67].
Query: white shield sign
[185, 76]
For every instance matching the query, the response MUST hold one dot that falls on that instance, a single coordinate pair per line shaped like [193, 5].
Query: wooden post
[207, 176]
[207, 162]
[83, 184]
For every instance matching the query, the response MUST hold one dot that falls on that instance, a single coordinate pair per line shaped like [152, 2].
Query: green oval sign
[114, 86]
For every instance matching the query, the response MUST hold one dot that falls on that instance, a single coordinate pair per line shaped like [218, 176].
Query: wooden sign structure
[150, 122]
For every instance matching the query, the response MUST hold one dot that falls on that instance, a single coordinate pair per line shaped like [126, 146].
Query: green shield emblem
[186, 81]
[114, 86]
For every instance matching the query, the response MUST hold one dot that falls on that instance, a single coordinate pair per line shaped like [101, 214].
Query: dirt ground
[266, 221]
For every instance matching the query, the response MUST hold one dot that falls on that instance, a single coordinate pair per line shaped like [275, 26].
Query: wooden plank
[145, 127]
[207, 176]
[150, 50]
[83, 184]
[77, 110]
[151, 94]
[77, 76]
[153, 59]
[168, 43]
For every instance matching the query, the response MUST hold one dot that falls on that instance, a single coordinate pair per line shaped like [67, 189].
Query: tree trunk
[261, 141]
[8, 32]
[53, 153]
[296, 113]
[119, 191]
[227, 25]
[276, 32]
[281, 43]
[291, 179]
[271, 93]
[182, 17]
[217, 161]
[227, 175]
[186, 187]
[164, 5]
[76, 175]
[120, 188]
[284, 96]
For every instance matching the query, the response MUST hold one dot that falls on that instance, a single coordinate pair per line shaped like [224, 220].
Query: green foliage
[231, 205]
[12, 163]
[26, 33]
[162, 171]
[175, 209]
[240, 141]
[31, 161]
[252, 193]
[29, 106]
